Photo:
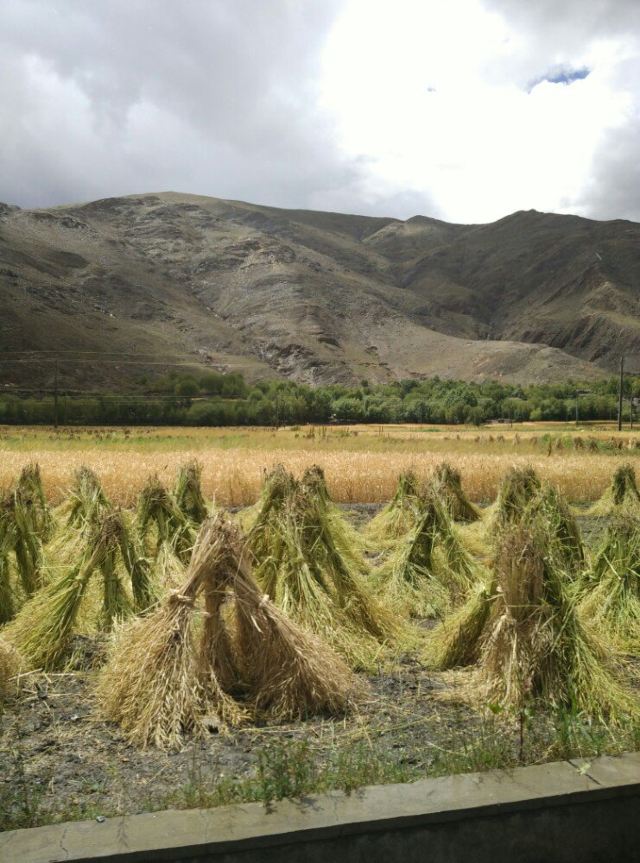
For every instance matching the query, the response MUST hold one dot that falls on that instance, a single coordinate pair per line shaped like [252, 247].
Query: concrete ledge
[565, 811]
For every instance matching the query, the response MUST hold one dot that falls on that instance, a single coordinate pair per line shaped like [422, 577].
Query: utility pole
[55, 398]
[620, 393]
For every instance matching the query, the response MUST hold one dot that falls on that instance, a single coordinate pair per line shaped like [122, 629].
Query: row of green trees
[218, 400]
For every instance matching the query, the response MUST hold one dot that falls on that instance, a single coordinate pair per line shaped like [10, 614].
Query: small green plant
[286, 771]
[293, 769]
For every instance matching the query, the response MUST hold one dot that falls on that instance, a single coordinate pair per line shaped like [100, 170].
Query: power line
[77, 351]
[132, 399]
[81, 361]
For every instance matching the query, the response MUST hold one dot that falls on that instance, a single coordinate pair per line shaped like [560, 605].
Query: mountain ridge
[319, 297]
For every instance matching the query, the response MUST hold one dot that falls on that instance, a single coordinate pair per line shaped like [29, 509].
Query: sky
[464, 110]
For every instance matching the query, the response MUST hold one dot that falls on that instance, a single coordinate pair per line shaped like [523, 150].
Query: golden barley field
[361, 463]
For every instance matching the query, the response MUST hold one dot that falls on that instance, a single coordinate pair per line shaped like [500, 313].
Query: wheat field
[361, 463]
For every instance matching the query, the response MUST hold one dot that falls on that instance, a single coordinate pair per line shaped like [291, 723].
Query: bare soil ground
[53, 738]
[59, 760]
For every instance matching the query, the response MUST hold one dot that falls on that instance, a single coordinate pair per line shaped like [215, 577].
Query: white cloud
[434, 97]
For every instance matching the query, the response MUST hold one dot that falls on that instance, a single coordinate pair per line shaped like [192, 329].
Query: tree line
[216, 399]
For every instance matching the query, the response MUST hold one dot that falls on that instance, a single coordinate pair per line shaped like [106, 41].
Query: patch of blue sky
[561, 75]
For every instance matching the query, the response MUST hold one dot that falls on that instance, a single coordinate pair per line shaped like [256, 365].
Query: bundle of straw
[87, 501]
[7, 596]
[343, 535]
[188, 492]
[44, 626]
[157, 508]
[401, 514]
[518, 488]
[448, 485]
[430, 570]
[150, 685]
[308, 567]
[611, 587]
[19, 534]
[159, 683]
[27, 547]
[458, 638]
[622, 495]
[561, 525]
[278, 486]
[290, 672]
[25, 524]
[538, 647]
[30, 497]
[532, 644]
[167, 569]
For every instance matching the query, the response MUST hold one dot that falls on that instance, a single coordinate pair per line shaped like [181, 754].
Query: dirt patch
[53, 737]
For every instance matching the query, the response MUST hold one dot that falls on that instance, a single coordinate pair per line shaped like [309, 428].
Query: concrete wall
[587, 812]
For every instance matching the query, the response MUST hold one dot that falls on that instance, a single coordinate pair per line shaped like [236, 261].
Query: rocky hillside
[318, 297]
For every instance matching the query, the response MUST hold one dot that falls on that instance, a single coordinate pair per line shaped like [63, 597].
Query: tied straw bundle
[166, 675]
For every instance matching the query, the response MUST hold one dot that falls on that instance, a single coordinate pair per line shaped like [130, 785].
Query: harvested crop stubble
[622, 495]
[163, 677]
[611, 587]
[308, 564]
[43, 628]
[429, 571]
[533, 645]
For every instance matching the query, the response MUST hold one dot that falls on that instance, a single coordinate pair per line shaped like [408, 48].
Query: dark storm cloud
[208, 96]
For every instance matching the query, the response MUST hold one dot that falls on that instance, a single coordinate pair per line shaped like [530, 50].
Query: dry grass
[360, 464]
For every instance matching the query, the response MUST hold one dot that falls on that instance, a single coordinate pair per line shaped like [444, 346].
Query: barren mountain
[319, 297]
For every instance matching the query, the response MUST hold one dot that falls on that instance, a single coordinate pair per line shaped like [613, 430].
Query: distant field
[361, 462]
